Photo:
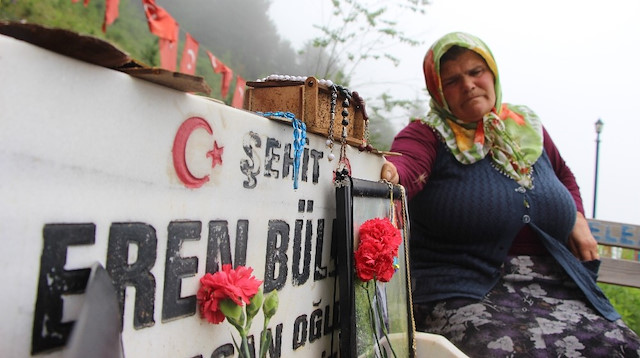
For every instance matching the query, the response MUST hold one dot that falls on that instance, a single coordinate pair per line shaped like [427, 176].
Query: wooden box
[310, 102]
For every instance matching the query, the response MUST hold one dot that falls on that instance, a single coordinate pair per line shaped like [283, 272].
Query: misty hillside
[239, 32]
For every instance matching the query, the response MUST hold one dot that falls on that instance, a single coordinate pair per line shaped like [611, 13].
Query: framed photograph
[376, 316]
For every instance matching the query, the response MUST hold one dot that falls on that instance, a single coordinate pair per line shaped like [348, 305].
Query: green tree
[386, 111]
[362, 31]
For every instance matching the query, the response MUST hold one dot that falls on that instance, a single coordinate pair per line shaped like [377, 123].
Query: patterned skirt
[534, 311]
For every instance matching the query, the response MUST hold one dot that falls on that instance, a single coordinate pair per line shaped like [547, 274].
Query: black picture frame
[358, 200]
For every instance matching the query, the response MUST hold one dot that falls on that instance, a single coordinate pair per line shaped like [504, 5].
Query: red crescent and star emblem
[179, 152]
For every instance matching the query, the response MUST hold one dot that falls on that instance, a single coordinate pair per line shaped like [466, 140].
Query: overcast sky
[571, 61]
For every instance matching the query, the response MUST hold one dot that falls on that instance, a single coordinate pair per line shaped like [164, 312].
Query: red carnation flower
[385, 269]
[238, 285]
[379, 242]
[366, 258]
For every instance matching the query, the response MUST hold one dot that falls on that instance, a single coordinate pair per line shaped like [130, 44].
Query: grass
[626, 300]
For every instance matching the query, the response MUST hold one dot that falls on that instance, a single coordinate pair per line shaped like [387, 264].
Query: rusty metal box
[310, 102]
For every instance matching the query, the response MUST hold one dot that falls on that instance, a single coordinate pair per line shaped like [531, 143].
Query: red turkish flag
[238, 94]
[168, 52]
[227, 73]
[189, 55]
[160, 21]
[110, 13]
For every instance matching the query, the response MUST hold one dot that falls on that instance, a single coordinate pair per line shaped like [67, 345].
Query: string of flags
[163, 25]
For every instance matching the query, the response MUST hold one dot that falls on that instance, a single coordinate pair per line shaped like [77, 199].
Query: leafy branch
[363, 32]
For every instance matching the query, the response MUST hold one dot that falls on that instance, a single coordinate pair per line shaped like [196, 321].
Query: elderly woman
[502, 259]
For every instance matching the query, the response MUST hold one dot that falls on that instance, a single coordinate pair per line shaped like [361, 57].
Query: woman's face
[468, 86]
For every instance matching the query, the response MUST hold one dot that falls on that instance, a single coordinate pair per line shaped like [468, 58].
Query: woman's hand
[581, 242]
[389, 172]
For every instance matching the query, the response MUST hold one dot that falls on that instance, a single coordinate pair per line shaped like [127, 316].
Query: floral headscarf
[511, 134]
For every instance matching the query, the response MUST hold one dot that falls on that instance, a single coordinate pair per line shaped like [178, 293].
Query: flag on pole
[110, 13]
[238, 93]
[161, 23]
[189, 55]
[227, 73]
[169, 52]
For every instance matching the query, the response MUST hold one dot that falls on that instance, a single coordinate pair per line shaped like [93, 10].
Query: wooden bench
[618, 271]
